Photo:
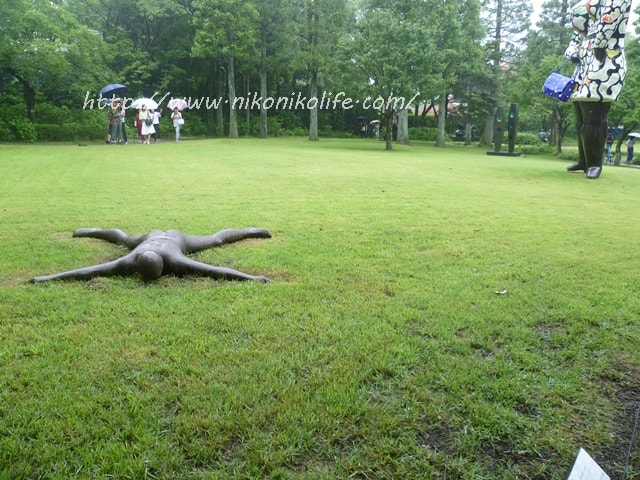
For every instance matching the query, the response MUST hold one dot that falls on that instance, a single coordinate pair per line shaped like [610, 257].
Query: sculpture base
[505, 154]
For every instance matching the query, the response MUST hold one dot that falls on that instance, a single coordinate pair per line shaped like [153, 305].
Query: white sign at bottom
[585, 468]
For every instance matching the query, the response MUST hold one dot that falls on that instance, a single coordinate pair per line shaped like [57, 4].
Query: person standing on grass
[630, 143]
[597, 49]
[123, 127]
[609, 148]
[178, 121]
[116, 122]
[146, 119]
[156, 125]
[138, 124]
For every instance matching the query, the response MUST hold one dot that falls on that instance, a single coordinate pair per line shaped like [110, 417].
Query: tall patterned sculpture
[597, 49]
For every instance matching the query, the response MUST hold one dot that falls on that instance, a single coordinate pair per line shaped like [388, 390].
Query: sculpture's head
[150, 265]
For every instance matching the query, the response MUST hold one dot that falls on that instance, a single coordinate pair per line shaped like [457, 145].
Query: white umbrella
[634, 134]
[150, 103]
[373, 122]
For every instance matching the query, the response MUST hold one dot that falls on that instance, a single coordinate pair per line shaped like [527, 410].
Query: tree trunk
[496, 59]
[442, 118]
[468, 132]
[209, 114]
[219, 112]
[426, 110]
[388, 131]
[233, 114]
[29, 96]
[556, 134]
[247, 110]
[313, 113]
[263, 89]
[618, 153]
[487, 136]
[403, 127]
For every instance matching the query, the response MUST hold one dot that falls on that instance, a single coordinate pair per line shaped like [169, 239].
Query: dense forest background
[458, 60]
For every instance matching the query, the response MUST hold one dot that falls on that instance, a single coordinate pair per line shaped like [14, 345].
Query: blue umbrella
[112, 90]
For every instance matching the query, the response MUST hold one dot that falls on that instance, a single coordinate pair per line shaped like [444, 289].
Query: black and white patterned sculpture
[597, 49]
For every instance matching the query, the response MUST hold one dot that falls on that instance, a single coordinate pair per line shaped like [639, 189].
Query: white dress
[146, 129]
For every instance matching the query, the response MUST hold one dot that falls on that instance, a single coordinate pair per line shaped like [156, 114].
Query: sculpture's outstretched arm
[122, 266]
[113, 235]
[196, 243]
[186, 266]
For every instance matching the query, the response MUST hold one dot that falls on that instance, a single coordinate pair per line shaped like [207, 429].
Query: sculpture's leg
[594, 135]
[121, 266]
[113, 235]
[195, 243]
[581, 164]
[186, 266]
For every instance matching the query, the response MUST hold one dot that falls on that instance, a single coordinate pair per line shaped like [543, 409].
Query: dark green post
[498, 128]
[512, 126]
[499, 125]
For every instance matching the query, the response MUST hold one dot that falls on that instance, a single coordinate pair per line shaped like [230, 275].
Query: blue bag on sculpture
[559, 86]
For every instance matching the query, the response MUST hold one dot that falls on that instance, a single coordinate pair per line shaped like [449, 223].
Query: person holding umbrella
[177, 104]
[115, 122]
[376, 128]
[111, 91]
[145, 117]
[178, 121]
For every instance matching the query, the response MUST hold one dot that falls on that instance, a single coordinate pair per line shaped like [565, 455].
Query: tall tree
[507, 23]
[553, 31]
[545, 52]
[229, 28]
[393, 50]
[458, 34]
[320, 26]
[150, 41]
[624, 115]
[46, 50]
[274, 27]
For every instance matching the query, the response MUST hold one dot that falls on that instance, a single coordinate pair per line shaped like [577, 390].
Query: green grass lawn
[434, 313]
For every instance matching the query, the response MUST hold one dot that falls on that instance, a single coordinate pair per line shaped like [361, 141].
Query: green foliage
[54, 52]
[553, 32]
[275, 127]
[507, 23]
[64, 125]
[423, 133]
[46, 50]
[226, 27]
[530, 144]
[17, 129]
[526, 138]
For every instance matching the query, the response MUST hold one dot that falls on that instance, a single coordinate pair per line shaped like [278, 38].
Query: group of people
[608, 152]
[146, 121]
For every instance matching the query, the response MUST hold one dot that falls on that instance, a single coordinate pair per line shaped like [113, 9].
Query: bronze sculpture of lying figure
[160, 253]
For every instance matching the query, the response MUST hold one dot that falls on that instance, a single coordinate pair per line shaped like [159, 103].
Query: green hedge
[530, 144]
[423, 133]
